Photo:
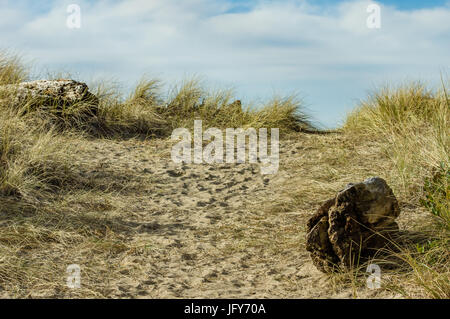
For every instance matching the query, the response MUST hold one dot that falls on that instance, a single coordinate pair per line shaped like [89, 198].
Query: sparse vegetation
[147, 112]
[83, 189]
[413, 122]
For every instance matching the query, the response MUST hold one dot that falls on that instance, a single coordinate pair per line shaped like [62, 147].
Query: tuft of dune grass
[32, 162]
[220, 108]
[149, 112]
[12, 70]
[413, 123]
[131, 116]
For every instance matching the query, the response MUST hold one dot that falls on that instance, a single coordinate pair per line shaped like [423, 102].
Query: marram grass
[54, 199]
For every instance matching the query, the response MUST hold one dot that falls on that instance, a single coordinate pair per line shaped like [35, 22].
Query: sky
[321, 50]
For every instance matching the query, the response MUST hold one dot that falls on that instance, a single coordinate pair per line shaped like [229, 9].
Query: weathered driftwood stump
[353, 225]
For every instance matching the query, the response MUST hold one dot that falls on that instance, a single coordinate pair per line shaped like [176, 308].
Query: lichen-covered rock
[351, 226]
[57, 95]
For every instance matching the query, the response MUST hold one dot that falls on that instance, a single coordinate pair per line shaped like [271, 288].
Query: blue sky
[400, 4]
[320, 49]
[413, 4]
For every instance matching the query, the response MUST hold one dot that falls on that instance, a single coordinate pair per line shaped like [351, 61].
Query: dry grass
[60, 206]
[77, 190]
[189, 101]
[12, 71]
[147, 112]
[413, 123]
[42, 180]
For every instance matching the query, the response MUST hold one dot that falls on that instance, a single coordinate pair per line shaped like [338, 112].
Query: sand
[225, 230]
[204, 231]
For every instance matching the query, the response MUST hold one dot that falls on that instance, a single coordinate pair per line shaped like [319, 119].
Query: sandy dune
[225, 230]
[150, 228]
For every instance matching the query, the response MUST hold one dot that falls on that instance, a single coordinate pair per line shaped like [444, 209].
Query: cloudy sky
[322, 50]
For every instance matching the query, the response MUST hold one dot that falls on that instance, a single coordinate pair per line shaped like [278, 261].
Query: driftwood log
[353, 225]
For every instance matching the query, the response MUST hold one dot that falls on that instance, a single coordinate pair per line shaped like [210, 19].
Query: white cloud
[327, 54]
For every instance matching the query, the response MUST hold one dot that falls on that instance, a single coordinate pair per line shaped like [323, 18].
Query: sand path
[225, 230]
